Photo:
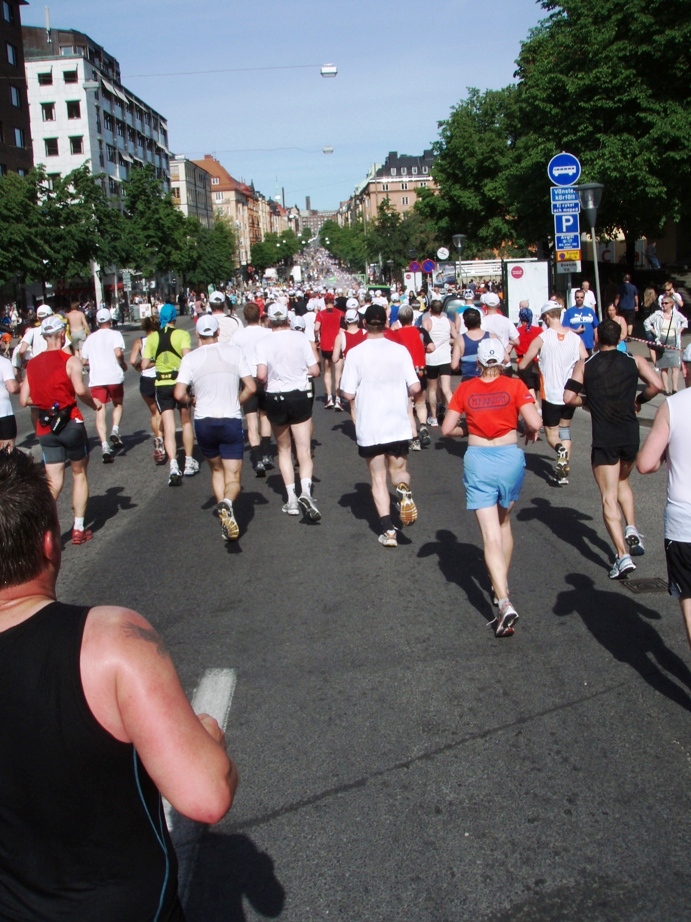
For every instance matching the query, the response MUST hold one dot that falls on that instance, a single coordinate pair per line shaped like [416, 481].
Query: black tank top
[610, 381]
[82, 833]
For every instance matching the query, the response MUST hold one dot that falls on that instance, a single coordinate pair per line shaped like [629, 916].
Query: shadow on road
[464, 565]
[620, 624]
[100, 509]
[228, 870]
[568, 525]
[542, 467]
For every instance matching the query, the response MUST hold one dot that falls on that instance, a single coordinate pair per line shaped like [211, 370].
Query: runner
[164, 350]
[327, 326]
[8, 423]
[215, 372]
[558, 349]
[52, 384]
[527, 332]
[229, 325]
[103, 352]
[413, 339]
[78, 325]
[147, 388]
[440, 329]
[494, 465]
[347, 339]
[670, 440]
[464, 355]
[284, 361]
[381, 377]
[606, 384]
[258, 426]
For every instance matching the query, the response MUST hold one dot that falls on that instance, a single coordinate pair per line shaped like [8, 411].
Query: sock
[500, 602]
[265, 445]
[79, 524]
[105, 446]
[386, 523]
[116, 429]
[306, 486]
[255, 455]
[290, 487]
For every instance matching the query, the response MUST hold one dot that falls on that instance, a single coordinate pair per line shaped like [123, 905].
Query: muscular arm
[262, 374]
[120, 359]
[653, 451]
[573, 398]
[249, 387]
[314, 370]
[74, 370]
[450, 427]
[133, 690]
[650, 377]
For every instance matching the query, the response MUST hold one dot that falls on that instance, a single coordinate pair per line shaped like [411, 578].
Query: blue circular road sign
[564, 169]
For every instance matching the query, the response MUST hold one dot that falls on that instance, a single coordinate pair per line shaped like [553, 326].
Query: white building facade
[191, 190]
[80, 112]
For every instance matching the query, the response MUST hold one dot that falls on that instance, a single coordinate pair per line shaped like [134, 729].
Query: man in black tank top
[606, 384]
[94, 724]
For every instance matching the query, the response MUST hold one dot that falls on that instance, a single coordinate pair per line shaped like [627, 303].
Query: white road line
[214, 696]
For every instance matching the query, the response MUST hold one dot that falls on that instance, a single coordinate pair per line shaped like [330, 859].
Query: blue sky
[401, 68]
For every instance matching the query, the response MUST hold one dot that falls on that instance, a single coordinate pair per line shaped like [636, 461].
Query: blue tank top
[469, 365]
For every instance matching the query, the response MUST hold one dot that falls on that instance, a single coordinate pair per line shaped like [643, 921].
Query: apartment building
[15, 127]
[80, 112]
[399, 179]
[190, 187]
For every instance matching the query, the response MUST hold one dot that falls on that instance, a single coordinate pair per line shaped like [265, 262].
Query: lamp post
[458, 241]
[389, 263]
[590, 195]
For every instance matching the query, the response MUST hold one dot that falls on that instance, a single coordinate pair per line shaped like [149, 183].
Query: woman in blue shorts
[494, 465]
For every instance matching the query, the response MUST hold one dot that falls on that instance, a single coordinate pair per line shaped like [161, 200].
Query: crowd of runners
[388, 362]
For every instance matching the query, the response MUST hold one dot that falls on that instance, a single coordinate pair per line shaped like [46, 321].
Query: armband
[574, 386]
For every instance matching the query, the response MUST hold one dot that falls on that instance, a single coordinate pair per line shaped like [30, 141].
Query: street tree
[21, 229]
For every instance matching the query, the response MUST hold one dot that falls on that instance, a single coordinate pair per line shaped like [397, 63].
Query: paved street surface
[398, 762]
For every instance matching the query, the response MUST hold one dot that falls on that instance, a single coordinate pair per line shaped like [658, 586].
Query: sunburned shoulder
[122, 629]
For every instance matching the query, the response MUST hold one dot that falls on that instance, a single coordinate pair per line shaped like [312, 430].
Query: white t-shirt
[6, 374]
[37, 344]
[558, 355]
[287, 355]
[247, 339]
[228, 328]
[678, 507]
[310, 319]
[501, 326]
[99, 348]
[379, 373]
[214, 371]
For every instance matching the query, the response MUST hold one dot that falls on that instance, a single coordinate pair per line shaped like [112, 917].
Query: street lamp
[590, 195]
[389, 263]
[458, 241]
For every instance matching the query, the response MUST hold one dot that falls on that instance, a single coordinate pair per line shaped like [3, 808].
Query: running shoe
[508, 616]
[406, 505]
[432, 421]
[563, 468]
[292, 507]
[622, 567]
[230, 530]
[329, 405]
[309, 507]
[81, 535]
[175, 477]
[268, 463]
[115, 438]
[260, 469]
[337, 405]
[634, 540]
[389, 539]
[159, 455]
[191, 467]
[107, 453]
[414, 445]
[425, 437]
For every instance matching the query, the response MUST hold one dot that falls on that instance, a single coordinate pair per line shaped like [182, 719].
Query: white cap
[297, 323]
[103, 315]
[43, 311]
[352, 315]
[277, 311]
[217, 297]
[52, 324]
[207, 325]
[490, 352]
[352, 303]
[550, 306]
[490, 299]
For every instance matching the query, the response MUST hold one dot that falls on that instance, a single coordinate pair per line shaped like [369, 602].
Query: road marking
[214, 696]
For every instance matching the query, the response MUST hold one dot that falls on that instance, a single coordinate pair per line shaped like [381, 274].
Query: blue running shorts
[493, 475]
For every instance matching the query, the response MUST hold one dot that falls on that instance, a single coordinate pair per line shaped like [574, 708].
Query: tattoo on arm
[148, 634]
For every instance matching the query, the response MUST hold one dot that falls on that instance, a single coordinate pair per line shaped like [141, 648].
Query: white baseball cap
[490, 299]
[207, 325]
[103, 315]
[490, 352]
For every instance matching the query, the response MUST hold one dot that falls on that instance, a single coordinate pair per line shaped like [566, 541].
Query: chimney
[308, 203]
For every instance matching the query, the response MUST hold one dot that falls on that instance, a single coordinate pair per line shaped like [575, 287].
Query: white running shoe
[634, 541]
[389, 538]
[622, 567]
[406, 504]
[191, 467]
[309, 507]
[175, 477]
[230, 530]
[292, 507]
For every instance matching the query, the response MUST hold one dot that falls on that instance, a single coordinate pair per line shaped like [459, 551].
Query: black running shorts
[70, 444]
[678, 554]
[609, 456]
[289, 408]
[553, 413]
[391, 449]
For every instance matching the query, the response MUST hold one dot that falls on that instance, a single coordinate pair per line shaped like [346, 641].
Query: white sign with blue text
[565, 200]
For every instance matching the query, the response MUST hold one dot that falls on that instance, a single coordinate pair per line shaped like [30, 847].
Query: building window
[175, 192]
[7, 12]
[18, 137]
[48, 111]
[404, 170]
[385, 187]
[425, 169]
[51, 179]
[51, 147]
[414, 171]
[15, 97]
[70, 76]
[77, 145]
[219, 196]
[110, 151]
[393, 170]
[121, 129]
[74, 110]
[45, 79]
[215, 181]
[404, 186]
[113, 187]
[11, 53]
[108, 121]
[22, 172]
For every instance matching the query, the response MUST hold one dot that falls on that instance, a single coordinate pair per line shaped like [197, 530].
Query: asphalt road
[398, 762]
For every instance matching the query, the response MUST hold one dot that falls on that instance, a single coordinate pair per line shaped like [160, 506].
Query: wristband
[574, 386]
